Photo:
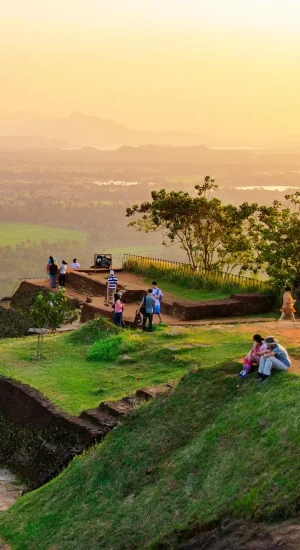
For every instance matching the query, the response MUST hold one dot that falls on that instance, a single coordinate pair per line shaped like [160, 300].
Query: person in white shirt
[158, 295]
[62, 274]
[75, 264]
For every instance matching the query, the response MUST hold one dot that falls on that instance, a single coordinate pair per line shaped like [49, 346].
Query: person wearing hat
[111, 287]
[275, 357]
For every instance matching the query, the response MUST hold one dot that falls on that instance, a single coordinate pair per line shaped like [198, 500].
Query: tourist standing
[275, 357]
[118, 310]
[75, 264]
[48, 264]
[111, 287]
[158, 296]
[53, 270]
[62, 274]
[287, 309]
[147, 308]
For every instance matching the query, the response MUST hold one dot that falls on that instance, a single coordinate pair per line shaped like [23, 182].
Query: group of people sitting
[267, 354]
[53, 270]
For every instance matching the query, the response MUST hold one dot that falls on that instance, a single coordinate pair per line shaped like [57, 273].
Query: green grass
[74, 383]
[191, 293]
[12, 234]
[184, 277]
[214, 449]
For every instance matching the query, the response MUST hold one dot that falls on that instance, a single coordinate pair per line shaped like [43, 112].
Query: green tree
[49, 311]
[276, 236]
[211, 233]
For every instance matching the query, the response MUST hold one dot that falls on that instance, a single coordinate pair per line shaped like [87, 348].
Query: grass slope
[75, 383]
[186, 293]
[12, 234]
[215, 448]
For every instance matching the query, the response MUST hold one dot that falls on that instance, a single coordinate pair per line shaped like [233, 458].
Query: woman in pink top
[118, 311]
[258, 349]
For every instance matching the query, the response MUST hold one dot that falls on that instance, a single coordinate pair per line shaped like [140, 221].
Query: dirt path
[10, 489]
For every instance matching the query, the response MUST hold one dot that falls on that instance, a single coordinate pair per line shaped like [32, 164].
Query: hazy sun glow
[218, 67]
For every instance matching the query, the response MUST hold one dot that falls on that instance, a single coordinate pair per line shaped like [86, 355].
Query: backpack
[138, 318]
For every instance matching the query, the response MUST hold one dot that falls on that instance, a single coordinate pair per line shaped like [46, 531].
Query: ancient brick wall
[236, 306]
[86, 284]
[36, 439]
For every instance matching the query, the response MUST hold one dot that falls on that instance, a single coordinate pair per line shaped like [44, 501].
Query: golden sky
[216, 67]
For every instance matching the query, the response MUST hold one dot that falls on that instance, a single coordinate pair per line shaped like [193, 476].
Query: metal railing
[132, 262]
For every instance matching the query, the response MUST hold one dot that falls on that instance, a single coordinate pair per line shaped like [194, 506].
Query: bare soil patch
[248, 537]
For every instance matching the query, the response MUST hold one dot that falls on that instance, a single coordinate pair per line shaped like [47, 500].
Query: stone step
[118, 408]
[100, 420]
[150, 393]
[133, 400]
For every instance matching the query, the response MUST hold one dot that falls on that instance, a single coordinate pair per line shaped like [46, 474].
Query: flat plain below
[12, 234]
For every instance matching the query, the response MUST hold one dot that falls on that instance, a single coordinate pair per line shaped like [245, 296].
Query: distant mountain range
[81, 130]
[8, 143]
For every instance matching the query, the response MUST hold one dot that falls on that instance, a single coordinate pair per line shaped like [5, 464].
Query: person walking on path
[287, 309]
[275, 357]
[118, 310]
[75, 264]
[111, 287]
[158, 295]
[254, 355]
[53, 270]
[62, 274]
[146, 308]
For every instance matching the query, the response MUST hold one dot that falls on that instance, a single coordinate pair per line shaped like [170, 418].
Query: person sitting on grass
[275, 357]
[254, 355]
[146, 308]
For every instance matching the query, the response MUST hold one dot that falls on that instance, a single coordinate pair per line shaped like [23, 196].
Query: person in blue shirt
[158, 296]
[275, 357]
[147, 307]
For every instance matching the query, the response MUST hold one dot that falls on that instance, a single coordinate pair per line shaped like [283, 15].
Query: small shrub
[110, 348]
[92, 331]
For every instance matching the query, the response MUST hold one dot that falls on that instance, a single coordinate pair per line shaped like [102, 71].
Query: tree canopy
[212, 234]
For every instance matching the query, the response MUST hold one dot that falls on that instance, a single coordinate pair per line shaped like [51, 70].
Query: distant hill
[155, 154]
[81, 130]
[31, 142]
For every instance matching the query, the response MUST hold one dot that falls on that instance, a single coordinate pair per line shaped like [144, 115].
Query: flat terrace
[89, 290]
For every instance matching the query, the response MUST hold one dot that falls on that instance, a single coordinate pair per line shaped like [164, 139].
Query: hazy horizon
[228, 70]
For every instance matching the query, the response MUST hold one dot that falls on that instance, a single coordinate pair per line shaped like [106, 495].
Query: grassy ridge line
[214, 448]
